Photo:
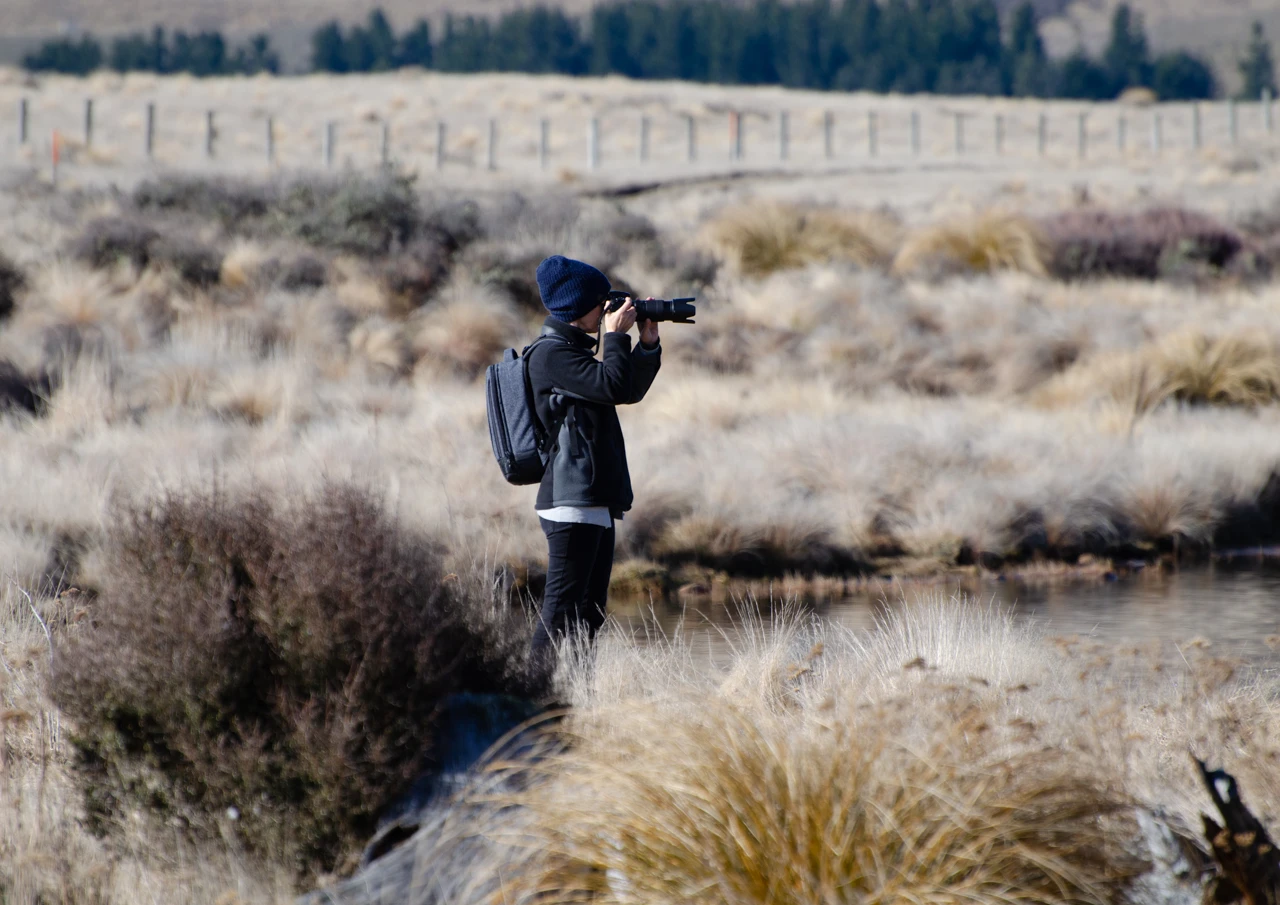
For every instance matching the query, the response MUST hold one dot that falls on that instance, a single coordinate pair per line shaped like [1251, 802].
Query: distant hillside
[1216, 28]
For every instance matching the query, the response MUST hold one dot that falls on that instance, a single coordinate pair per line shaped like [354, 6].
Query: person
[587, 485]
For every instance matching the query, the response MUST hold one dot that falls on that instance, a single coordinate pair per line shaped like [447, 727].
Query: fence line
[833, 137]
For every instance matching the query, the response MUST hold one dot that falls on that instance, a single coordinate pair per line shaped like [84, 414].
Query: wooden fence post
[1122, 133]
[210, 133]
[385, 149]
[1042, 134]
[442, 135]
[492, 145]
[915, 132]
[691, 137]
[271, 141]
[828, 128]
[735, 135]
[1197, 135]
[1082, 136]
[23, 119]
[1157, 133]
[1267, 122]
[151, 130]
[644, 139]
[1233, 122]
[873, 134]
[593, 144]
[999, 133]
[330, 139]
[544, 143]
[88, 123]
[959, 134]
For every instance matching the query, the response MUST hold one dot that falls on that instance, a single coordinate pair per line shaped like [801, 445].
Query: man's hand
[649, 333]
[622, 320]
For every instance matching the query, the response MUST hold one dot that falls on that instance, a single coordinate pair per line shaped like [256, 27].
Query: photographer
[586, 485]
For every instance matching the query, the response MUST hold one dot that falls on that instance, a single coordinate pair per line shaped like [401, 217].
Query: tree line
[908, 46]
[204, 53]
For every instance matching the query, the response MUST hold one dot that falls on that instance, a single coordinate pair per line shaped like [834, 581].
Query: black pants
[579, 563]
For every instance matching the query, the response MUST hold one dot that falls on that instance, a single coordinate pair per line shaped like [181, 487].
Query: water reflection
[1235, 609]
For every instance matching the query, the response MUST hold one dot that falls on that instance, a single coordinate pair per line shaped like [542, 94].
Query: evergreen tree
[1030, 72]
[415, 47]
[329, 48]
[1181, 76]
[1127, 58]
[1081, 78]
[1257, 69]
[66, 56]
[257, 56]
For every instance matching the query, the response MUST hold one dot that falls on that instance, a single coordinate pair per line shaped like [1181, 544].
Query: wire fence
[116, 133]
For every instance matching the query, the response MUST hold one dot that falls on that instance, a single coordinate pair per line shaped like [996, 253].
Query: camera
[677, 311]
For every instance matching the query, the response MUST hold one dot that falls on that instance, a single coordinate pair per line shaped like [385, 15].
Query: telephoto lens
[677, 311]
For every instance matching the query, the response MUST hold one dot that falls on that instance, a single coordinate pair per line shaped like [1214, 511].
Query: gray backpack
[520, 443]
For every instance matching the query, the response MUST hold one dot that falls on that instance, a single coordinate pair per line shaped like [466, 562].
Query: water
[1234, 609]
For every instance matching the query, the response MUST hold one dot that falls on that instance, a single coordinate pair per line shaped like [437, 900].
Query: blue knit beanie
[570, 288]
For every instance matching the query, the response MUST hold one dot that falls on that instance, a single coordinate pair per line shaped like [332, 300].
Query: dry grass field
[912, 365]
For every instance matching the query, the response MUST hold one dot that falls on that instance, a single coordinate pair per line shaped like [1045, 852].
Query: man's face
[590, 322]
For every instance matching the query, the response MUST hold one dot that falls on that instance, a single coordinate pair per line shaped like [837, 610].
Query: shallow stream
[1235, 608]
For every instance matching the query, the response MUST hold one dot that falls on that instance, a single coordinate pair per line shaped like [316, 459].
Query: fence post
[784, 135]
[644, 139]
[691, 136]
[271, 141]
[55, 154]
[1122, 133]
[151, 130]
[210, 133]
[1267, 122]
[442, 134]
[1042, 134]
[828, 127]
[23, 110]
[1157, 133]
[915, 132]
[593, 143]
[1233, 121]
[330, 135]
[1082, 135]
[385, 154]
[959, 135]
[492, 144]
[999, 133]
[544, 143]
[1197, 136]
[873, 133]
[735, 135]
[88, 123]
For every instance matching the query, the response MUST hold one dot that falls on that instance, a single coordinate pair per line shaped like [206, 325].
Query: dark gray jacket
[576, 393]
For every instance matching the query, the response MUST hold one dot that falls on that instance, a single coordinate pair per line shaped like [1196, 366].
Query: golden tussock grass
[725, 805]
[462, 336]
[762, 237]
[987, 242]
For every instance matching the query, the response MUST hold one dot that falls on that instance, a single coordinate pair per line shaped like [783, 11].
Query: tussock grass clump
[985, 243]
[725, 803]
[1146, 245]
[287, 661]
[763, 237]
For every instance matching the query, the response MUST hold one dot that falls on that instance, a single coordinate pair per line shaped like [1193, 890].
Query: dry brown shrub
[718, 803]
[464, 336]
[762, 237]
[990, 241]
[288, 661]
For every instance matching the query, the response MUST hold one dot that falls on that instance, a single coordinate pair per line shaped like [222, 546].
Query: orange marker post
[56, 153]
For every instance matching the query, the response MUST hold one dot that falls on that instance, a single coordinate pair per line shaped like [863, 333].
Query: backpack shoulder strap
[542, 431]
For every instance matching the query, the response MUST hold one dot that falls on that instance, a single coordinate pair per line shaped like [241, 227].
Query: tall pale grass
[763, 237]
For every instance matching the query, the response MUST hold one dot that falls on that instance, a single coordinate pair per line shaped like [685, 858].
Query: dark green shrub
[303, 272]
[1147, 245]
[362, 215]
[234, 203]
[106, 241]
[287, 661]
[12, 281]
[196, 262]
